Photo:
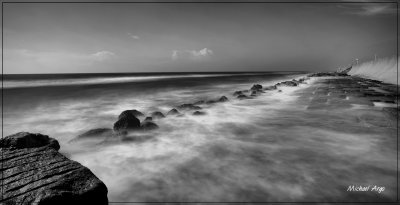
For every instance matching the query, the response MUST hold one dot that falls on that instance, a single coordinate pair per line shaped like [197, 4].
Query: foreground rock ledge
[33, 171]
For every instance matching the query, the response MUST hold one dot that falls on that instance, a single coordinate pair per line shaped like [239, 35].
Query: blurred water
[265, 149]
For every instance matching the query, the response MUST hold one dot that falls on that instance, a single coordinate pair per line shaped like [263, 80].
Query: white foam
[383, 104]
[384, 69]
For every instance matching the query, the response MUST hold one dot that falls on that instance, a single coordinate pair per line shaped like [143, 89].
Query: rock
[279, 91]
[199, 102]
[148, 125]
[345, 71]
[256, 87]
[148, 119]
[296, 81]
[287, 83]
[28, 140]
[253, 93]
[157, 115]
[223, 99]
[242, 96]
[236, 93]
[95, 133]
[127, 122]
[199, 113]
[173, 112]
[273, 87]
[329, 74]
[39, 174]
[189, 107]
[135, 113]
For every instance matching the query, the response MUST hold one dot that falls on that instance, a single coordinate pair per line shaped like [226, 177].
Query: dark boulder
[254, 93]
[199, 113]
[223, 99]
[22, 140]
[272, 87]
[242, 96]
[287, 83]
[236, 93]
[199, 102]
[148, 119]
[157, 115]
[127, 122]
[256, 87]
[302, 81]
[41, 175]
[173, 112]
[189, 107]
[148, 125]
[135, 113]
[328, 74]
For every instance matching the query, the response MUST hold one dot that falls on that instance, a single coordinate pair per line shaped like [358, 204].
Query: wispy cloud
[133, 36]
[192, 54]
[369, 9]
[102, 55]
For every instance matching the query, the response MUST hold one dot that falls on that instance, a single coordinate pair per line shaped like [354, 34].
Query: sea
[254, 150]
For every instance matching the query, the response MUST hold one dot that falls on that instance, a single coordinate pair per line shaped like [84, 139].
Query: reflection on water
[265, 149]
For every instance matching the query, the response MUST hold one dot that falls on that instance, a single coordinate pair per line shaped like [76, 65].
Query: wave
[384, 69]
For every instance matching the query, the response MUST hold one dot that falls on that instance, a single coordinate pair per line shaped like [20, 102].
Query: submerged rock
[211, 101]
[148, 119]
[127, 122]
[322, 74]
[256, 87]
[242, 96]
[223, 99]
[27, 140]
[95, 133]
[148, 125]
[189, 107]
[287, 83]
[199, 102]
[236, 93]
[173, 112]
[36, 173]
[272, 87]
[135, 113]
[199, 113]
[157, 115]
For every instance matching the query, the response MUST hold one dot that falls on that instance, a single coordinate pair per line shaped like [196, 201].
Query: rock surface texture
[34, 172]
[126, 122]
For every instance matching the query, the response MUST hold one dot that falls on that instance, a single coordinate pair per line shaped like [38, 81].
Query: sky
[194, 37]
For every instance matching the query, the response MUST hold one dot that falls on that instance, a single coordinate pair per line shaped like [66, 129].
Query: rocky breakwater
[34, 172]
[337, 90]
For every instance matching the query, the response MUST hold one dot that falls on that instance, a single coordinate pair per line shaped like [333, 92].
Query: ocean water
[269, 148]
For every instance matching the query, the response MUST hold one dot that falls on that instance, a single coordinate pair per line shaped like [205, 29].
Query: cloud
[102, 55]
[133, 36]
[369, 9]
[192, 54]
